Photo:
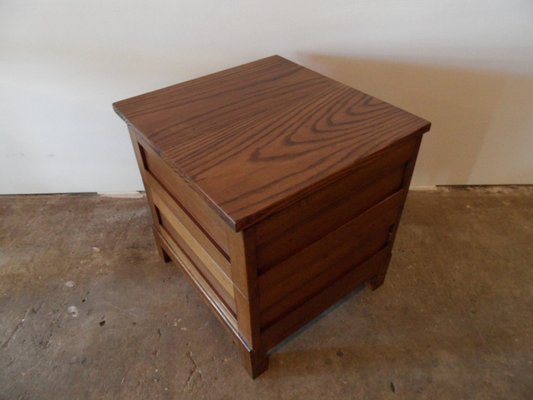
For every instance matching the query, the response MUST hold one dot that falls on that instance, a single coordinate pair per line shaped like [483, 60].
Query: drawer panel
[298, 288]
[306, 273]
[163, 197]
[219, 282]
[175, 252]
[299, 316]
[204, 216]
[174, 224]
[290, 230]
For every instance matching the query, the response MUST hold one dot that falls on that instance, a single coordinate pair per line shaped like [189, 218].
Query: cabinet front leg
[255, 362]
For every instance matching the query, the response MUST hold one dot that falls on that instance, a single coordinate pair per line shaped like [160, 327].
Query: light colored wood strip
[198, 280]
[228, 299]
[206, 217]
[191, 225]
[202, 254]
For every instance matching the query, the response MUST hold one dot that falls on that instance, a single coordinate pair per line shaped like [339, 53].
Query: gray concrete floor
[88, 311]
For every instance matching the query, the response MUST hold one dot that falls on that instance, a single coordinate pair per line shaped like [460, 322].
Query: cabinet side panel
[301, 315]
[308, 272]
[406, 181]
[206, 218]
[342, 239]
[291, 230]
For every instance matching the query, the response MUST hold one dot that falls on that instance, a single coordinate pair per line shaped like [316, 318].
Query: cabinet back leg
[162, 253]
[378, 280]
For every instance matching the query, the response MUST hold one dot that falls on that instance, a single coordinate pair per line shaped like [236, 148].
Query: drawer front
[213, 299]
[203, 216]
[183, 217]
[183, 233]
[307, 273]
[293, 229]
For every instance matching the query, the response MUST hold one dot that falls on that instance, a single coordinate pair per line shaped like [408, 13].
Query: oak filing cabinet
[275, 189]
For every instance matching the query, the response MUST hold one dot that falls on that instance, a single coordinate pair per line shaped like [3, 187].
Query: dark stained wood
[204, 217]
[188, 223]
[352, 242]
[300, 316]
[275, 189]
[255, 138]
[378, 280]
[290, 230]
[254, 362]
[137, 149]
[373, 171]
[284, 301]
[244, 273]
[298, 237]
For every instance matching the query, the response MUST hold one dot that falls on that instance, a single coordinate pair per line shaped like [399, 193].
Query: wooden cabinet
[275, 189]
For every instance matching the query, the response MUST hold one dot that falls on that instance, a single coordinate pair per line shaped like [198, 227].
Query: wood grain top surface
[254, 138]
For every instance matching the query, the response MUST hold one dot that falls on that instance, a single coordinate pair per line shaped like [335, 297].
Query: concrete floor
[88, 311]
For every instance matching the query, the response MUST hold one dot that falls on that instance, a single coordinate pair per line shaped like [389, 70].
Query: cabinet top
[254, 138]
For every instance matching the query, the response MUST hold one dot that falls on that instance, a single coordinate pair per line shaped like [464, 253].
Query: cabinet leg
[376, 282]
[379, 278]
[255, 362]
[162, 253]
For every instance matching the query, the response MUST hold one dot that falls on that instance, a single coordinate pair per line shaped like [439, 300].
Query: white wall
[465, 65]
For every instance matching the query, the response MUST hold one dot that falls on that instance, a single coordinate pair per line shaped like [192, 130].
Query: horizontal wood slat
[206, 218]
[194, 250]
[326, 253]
[221, 288]
[370, 172]
[298, 233]
[321, 302]
[199, 235]
[300, 287]
[209, 294]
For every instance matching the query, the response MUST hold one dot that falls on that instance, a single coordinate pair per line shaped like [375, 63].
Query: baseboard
[423, 188]
[123, 195]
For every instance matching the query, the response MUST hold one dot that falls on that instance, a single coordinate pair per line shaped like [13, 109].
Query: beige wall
[482, 121]
[466, 66]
